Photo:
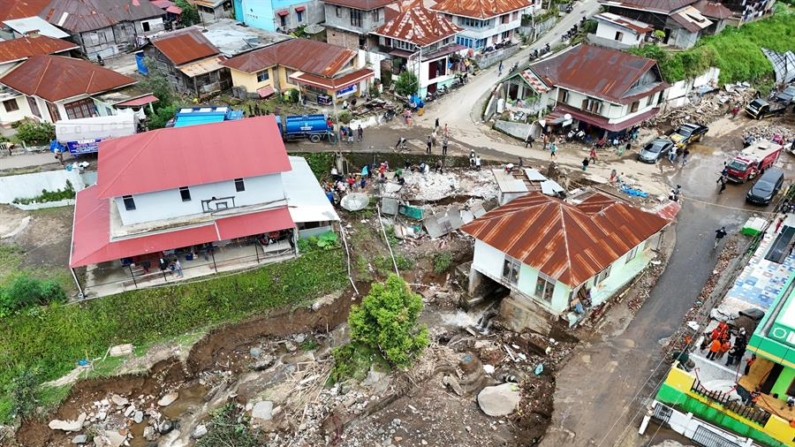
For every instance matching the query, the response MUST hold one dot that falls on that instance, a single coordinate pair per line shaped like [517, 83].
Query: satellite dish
[567, 117]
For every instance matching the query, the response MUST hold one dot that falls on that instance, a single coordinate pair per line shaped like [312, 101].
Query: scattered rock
[165, 427]
[452, 383]
[102, 415]
[262, 411]
[109, 439]
[168, 399]
[199, 431]
[398, 438]
[500, 400]
[299, 338]
[80, 439]
[149, 433]
[121, 350]
[118, 400]
[129, 411]
[76, 425]
[264, 363]
[290, 346]
[255, 352]
[139, 417]
[373, 377]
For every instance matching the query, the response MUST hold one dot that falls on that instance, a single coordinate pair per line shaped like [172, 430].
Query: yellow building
[320, 72]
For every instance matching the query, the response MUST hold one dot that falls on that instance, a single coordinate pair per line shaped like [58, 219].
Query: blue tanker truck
[314, 127]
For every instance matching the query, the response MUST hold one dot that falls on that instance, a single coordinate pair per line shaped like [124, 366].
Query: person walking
[685, 155]
[528, 142]
[178, 269]
[593, 156]
[780, 222]
[553, 151]
[672, 155]
[499, 70]
[585, 162]
[436, 125]
[477, 162]
[360, 133]
[723, 180]
[444, 145]
[446, 130]
[428, 143]
[719, 234]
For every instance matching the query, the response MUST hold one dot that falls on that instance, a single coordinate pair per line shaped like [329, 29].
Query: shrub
[344, 117]
[68, 192]
[22, 393]
[189, 15]
[291, 96]
[325, 241]
[35, 133]
[407, 83]
[26, 292]
[387, 321]
[442, 261]
[352, 361]
[229, 428]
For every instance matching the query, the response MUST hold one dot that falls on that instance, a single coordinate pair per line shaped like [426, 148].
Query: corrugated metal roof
[19, 9]
[713, 10]
[29, 24]
[147, 162]
[56, 77]
[334, 83]
[87, 15]
[691, 19]
[419, 26]
[480, 9]
[601, 72]
[308, 56]
[365, 5]
[185, 46]
[204, 66]
[570, 243]
[665, 6]
[23, 48]
[635, 25]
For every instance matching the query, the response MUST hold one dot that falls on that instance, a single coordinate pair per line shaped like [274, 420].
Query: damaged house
[558, 258]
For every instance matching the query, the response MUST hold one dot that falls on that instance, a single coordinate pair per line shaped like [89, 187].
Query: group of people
[347, 133]
[718, 343]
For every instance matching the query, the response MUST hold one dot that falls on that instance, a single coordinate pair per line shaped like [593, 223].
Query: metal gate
[708, 438]
[662, 413]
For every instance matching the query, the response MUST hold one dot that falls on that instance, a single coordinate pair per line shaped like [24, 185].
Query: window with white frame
[602, 276]
[632, 253]
[263, 76]
[545, 286]
[592, 105]
[563, 95]
[403, 45]
[510, 270]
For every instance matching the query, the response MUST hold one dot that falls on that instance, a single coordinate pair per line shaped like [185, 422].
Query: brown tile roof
[19, 9]
[596, 71]
[419, 26]
[185, 46]
[691, 19]
[663, 6]
[24, 47]
[365, 5]
[570, 243]
[308, 56]
[713, 10]
[480, 9]
[87, 15]
[56, 77]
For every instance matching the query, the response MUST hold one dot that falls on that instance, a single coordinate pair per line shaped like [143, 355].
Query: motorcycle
[388, 115]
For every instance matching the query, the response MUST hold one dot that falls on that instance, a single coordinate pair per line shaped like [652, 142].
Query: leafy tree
[229, 428]
[162, 115]
[387, 321]
[157, 83]
[407, 83]
[35, 133]
[190, 15]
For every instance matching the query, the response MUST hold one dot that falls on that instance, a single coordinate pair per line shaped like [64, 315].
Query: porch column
[132, 275]
[81, 294]
[215, 267]
[256, 249]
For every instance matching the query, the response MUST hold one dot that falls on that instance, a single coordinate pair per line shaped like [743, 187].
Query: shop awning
[266, 91]
[136, 102]
[283, 12]
[333, 83]
[603, 122]
[254, 223]
[300, 9]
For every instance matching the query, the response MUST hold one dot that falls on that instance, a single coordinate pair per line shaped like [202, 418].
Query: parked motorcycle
[388, 115]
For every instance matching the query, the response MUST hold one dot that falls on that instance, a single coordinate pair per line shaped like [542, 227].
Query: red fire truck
[753, 160]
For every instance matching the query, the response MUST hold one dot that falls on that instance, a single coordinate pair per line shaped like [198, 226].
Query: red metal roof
[24, 47]
[20, 9]
[135, 102]
[300, 8]
[254, 223]
[308, 56]
[87, 15]
[171, 158]
[570, 243]
[55, 78]
[334, 84]
[162, 4]
[419, 26]
[266, 91]
[283, 12]
[174, 10]
[480, 9]
[713, 10]
[600, 121]
[601, 72]
[649, 5]
[92, 244]
[185, 46]
[365, 5]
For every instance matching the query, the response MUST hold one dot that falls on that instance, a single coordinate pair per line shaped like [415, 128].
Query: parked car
[655, 150]
[759, 108]
[787, 95]
[688, 133]
[768, 185]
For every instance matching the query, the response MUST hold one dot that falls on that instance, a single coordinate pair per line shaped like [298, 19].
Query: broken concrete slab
[262, 411]
[453, 384]
[118, 400]
[121, 350]
[168, 399]
[75, 425]
[500, 400]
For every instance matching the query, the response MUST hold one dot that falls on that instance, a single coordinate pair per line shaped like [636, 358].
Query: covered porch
[525, 92]
[596, 127]
[325, 91]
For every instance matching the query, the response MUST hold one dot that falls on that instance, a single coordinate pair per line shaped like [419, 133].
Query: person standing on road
[593, 156]
[528, 142]
[685, 154]
[780, 222]
[446, 130]
[714, 349]
[428, 143]
[444, 145]
[499, 70]
[719, 234]
[553, 151]
[360, 133]
[477, 162]
[672, 154]
[585, 162]
[436, 125]
[722, 180]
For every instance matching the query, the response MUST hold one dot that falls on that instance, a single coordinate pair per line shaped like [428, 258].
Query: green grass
[10, 260]
[384, 265]
[53, 339]
[50, 397]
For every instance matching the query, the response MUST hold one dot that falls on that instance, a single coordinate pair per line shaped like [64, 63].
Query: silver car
[656, 150]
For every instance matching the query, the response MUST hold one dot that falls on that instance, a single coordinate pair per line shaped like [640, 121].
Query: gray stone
[149, 433]
[199, 431]
[121, 350]
[102, 415]
[264, 363]
[262, 411]
[80, 439]
[500, 400]
[165, 427]
[76, 425]
[255, 352]
[118, 400]
[290, 346]
[139, 417]
[373, 377]
[129, 411]
[299, 338]
[168, 399]
[453, 384]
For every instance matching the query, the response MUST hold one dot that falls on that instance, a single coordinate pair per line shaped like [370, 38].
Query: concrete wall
[249, 80]
[608, 43]
[677, 94]
[609, 31]
[7, 118]
[516, 130]
[168, 204]
[488, 260]
[27, 186]
[493, 58]
[346, 34]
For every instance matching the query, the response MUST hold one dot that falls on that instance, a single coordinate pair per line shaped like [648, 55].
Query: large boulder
[76, 425]
[500, 400]
[168, 399]
[262, 411]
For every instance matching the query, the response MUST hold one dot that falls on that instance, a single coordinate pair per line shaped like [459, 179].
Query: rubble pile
[705, 109]
[768, 131]
[433, 186]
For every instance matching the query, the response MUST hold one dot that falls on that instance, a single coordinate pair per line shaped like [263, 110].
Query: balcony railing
[752, 413]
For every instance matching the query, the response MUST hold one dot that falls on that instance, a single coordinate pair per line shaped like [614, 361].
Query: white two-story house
[556, 257]
[224, 192]
[421, 41]
[599, 90]
[485, 23]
